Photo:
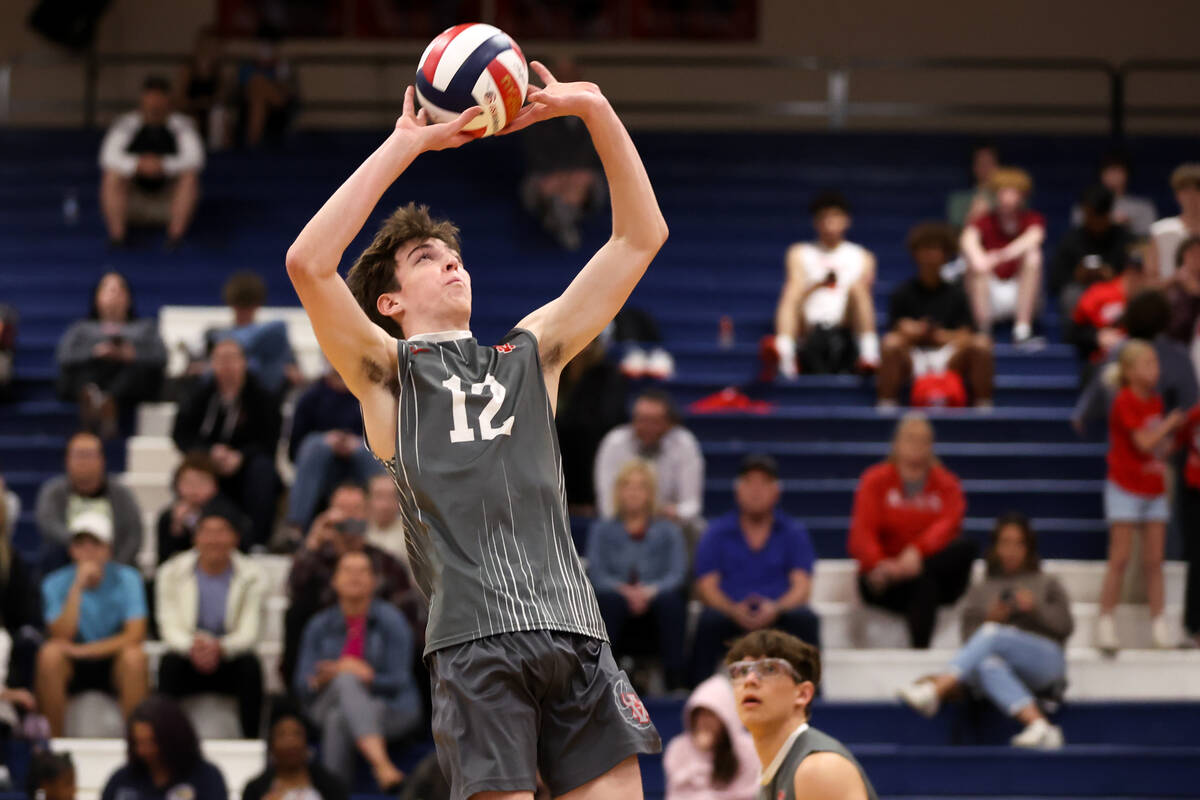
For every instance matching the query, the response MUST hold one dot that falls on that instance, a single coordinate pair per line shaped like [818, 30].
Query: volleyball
[473, 64]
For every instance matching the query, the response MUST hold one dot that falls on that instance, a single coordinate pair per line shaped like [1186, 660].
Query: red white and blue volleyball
[473, 64]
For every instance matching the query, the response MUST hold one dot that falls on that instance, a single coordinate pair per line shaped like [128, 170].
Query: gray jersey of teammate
[782, 785]
[480, 481]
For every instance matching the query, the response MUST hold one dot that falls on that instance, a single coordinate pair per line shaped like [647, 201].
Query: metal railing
[837, 107]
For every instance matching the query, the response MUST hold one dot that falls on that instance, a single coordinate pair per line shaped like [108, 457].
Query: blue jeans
[1008, 665]
[318, 470]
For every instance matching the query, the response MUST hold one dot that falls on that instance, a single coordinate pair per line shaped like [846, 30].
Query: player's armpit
[828, 776]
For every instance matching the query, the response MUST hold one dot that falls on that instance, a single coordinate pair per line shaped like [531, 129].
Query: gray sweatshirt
[54, 505]
[1051, 614]
[77, 343]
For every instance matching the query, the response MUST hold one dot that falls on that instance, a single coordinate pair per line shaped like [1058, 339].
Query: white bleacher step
[155, 419]
[1131, 675]
[272, 628]
[96, 759]
[183, 327]
[151, 489]
[152, 454]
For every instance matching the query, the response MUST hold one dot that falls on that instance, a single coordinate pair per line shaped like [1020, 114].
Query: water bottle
[70, 206]
[725, 332]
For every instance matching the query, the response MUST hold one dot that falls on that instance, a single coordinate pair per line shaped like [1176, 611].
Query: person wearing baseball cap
[95, 611]
[753, 569]
[208, 603]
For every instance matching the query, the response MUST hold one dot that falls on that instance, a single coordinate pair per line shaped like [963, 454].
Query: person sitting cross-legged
[753, 569]
[355, 675]
[209, 602]
[1015, 625]
[637, 562]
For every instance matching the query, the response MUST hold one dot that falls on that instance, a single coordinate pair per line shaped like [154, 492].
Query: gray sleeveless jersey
[783, 785]
[480, 480]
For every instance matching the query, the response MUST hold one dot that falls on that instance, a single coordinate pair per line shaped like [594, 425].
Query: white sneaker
[1039, 735]
[1106, 634]
[1160, 633]
[921, 697]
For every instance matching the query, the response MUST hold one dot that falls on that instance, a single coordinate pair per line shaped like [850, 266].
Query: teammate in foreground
[775, 677]
[523, 678]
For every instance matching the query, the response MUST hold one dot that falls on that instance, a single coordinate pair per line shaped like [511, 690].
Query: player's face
[1115, 178]
[832, 224]
[756, 492]
[651, 421]
[1008, 199]
[196, 487]
[914, 446]
[112, 298]
[354, 578]
[435, 288]
[633, 495]
[228, 363]
[765, 702]
[215, 539]
[1144, 370]
[1010, 548]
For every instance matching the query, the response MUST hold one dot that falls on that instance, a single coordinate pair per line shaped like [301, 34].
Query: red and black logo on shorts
[630, 705]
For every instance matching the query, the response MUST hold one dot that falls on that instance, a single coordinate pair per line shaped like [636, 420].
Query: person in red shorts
[1188, 438]
[1096, 324]
[1139, 438]
[908, 513]
[1003, 250]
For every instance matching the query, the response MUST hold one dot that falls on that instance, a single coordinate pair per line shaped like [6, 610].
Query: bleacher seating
[733, 203]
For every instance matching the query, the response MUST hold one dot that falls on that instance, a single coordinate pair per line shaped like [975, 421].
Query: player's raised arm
[565, 325]
[348, 338]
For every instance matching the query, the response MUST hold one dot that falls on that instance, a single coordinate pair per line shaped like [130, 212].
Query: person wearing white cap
[95, 612]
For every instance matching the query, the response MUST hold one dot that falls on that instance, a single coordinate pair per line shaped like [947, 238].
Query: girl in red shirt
[1139, 439]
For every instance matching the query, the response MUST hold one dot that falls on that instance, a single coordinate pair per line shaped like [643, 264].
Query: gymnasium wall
[852, 29]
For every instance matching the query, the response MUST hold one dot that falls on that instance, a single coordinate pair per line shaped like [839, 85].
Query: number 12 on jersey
[462, 432]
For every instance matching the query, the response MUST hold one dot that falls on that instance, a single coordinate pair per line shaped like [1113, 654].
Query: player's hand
[433, 135]
[1024, 600]
[574, 99]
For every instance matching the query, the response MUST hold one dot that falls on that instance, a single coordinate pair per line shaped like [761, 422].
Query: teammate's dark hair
[363, 553]
[1098, 199]
[46, 767]
[1146, 315]
[933, 234]
[664, 399]
[1033, 562]
[349, 484]
[374, 273]
[803, 657]
[1116, 158]
[828, 199]
[178, 745]
[244, 289]
[156, 83]
[724, 760]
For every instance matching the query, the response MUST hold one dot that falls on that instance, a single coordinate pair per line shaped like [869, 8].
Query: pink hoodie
[689, 769]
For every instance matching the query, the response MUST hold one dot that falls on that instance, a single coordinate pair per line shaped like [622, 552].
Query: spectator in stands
[355, 675]
[326, 446]
[9, 319]
[151, 161]
[1188, 439]
[966, 205]
[929, 314]
[51, 776]
[904, 532]
[95, 613]
[1015, 625]
[714, 757]
[1145, 319]
[1093, 251]
[20, 609]
[163, 759]
[196, 485]
[86, 486]
[1003, 249]
[385, 529]
[14, 700]
[267, 92]
[269, 356]
[237, 421]
[110, 361]
[753, 568]
[1139, 440]
[656, 435]
[1183, 292]
[338, 530]
[200, 90]
[563, 181]
[1133, 213]
[290, 773]
[209, 601]
[1096, 324]
[1167, 234]
[826, 297]
[638, 562]
[592, 400]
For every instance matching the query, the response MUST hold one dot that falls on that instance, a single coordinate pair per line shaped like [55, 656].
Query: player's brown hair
[1011, 178]
[244, 289]
[933, 234]
[374, 273]
[1186, 175]
[196, 461]
[803, 657]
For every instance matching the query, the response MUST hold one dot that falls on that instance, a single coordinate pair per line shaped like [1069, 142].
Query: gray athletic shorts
[510, 705]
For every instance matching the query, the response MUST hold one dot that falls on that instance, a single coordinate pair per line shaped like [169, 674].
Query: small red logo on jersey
[419, 350]
[505, 348]
[630, 705]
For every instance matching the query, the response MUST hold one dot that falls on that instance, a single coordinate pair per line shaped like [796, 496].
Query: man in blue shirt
[95, 614]
[753, 569]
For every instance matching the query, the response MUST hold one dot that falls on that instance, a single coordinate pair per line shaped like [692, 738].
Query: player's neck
[830, 242]
[437, 328]
[355, 607]
[768, 743]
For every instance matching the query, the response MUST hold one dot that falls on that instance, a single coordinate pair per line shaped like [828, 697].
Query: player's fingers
[408, 101]
[422, 117]
[543, 73]
[461, 121]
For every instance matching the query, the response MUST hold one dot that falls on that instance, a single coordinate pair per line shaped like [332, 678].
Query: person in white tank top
[828, 284]
[1168, 233]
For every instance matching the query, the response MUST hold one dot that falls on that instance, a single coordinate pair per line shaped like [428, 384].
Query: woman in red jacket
[908, 514]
